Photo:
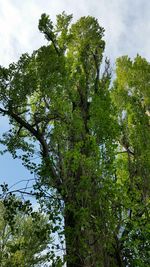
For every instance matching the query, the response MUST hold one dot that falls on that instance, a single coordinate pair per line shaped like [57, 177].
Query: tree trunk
[83, 250]
[72, 242]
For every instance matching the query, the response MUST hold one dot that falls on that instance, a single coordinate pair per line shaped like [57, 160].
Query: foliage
[23, 241]
[131, 95]
[93, 141]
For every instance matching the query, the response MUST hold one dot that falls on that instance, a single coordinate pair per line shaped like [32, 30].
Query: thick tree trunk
[81, 248]
[79, 254]
[72, 242]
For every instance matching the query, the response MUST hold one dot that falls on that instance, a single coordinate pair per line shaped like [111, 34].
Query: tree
[60, 98]
[24, 238]
[131, 95]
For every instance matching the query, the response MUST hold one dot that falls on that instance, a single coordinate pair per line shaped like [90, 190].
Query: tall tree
[60, 98]
[131, 95]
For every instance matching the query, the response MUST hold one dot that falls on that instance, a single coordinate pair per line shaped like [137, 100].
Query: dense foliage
[93, 138]
[24, 235]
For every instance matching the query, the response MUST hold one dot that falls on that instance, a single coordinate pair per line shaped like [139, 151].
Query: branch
[49, 37]
[30, 128]
[40, 138]
[126, 151]
[95, 56]
[24, 180]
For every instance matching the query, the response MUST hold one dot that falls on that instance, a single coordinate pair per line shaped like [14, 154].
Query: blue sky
[127, 31]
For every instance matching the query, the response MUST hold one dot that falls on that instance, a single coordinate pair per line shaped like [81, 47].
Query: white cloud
[126, 23]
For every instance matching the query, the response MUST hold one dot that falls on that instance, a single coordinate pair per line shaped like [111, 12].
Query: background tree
[131, 95]
[24, 237]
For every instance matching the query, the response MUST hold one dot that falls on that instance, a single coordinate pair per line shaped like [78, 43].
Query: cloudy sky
[127, 31]
[127, 24]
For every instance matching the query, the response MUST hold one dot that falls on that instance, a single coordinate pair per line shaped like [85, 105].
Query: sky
[127, 32]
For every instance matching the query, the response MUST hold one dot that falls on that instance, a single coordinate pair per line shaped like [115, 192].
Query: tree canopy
[93, 140]
[24, 235]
